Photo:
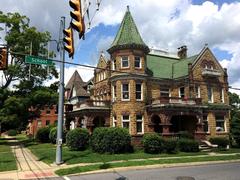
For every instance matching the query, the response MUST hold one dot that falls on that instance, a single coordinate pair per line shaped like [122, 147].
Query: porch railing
[176, 100]
[92, 103]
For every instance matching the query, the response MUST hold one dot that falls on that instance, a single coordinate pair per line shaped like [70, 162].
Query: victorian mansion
[147, 90]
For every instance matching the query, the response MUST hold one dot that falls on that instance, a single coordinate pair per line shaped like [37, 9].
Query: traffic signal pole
[61, 99]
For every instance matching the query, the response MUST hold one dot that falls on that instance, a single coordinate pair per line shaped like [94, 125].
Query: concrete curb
[155, 166]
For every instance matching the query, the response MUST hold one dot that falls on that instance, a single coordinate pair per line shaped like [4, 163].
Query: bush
[170, 145]
[111, 140]
[12, 132]
[185, 135]
[235, 128]
[53, 135]
[153, 143]
[77, 139]
[43, 135]
[188, 145]
[222, 142]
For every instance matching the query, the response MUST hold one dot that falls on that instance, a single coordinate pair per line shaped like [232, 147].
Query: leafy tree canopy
[22, 39]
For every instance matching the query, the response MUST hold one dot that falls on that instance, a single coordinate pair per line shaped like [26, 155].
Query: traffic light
[78, 23]
[68, 39]
[3, 58]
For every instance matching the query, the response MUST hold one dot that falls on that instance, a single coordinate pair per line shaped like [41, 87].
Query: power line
[110, 70]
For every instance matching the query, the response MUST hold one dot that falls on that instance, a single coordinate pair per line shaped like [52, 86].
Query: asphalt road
[226, 171]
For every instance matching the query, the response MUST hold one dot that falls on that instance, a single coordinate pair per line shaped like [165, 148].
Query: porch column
[107, 121]
[150, 124]
[77, 123]
[89, 124]
[165, 122]
[199, 133]
[199, 123]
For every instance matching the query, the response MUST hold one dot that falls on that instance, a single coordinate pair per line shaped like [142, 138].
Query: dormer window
[125, 63]
[137, 62]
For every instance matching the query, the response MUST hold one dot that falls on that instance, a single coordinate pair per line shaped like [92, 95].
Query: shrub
[43, 135]
[153, 143]
[77, 139]
[170, 145]
[53, 135]
[111, 140]
[12, 132]
[235, 128]
[185, 135]
[222, 142]
[188, 145]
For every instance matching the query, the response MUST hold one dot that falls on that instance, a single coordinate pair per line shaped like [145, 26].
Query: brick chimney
[182, 52]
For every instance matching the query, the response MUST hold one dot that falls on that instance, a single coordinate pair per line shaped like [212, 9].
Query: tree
[17, 109]
[20, 38]
[234, 101]
[235, 128]
[14, 113]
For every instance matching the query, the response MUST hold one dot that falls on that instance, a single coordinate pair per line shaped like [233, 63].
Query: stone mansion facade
[148, 91]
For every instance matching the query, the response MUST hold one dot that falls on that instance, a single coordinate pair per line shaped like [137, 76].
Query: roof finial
[128, 8]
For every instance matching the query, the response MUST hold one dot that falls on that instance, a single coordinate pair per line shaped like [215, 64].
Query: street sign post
[38, 60]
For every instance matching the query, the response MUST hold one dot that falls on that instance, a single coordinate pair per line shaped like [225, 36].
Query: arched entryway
[98, 121]
[156, 122]
[183, 123]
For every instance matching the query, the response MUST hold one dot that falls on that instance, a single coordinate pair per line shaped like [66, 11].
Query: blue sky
[163, 25]
[87, 51]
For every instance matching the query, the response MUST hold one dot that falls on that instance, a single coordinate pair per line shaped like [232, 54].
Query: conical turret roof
[128, 36]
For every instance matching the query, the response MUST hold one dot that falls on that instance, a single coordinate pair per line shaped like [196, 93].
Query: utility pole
[61, 98]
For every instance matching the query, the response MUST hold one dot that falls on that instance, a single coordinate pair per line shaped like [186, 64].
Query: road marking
[66, 178]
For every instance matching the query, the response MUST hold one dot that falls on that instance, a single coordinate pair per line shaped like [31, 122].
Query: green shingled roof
[128, 35]
[180, 68]
[168, 68]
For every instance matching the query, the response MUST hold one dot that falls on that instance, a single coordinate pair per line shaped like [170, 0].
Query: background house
[48, 115]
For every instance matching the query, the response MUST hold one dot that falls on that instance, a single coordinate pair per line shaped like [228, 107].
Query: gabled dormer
[100, 72]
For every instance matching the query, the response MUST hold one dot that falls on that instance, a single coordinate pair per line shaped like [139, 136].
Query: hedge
[77, 139]
[222, 142]
[12, 132]
[110, 140]
[43, 135]
[188, 145]
[153, 143]
[170, 145]
[53, 135]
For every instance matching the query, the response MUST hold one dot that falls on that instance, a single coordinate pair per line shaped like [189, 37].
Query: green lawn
[80, 169]
[46, 153]
[7, 160]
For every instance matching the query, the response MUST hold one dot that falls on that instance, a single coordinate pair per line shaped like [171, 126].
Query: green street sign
[38, 60]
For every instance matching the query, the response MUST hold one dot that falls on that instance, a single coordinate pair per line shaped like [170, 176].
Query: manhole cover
[185, 178]
[121, 178]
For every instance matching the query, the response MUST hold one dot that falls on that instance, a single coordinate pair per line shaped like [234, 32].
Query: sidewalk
[28, 165]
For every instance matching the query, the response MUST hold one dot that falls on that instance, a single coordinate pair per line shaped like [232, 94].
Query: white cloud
[165, 24]
[85, 73]
[173, 23]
